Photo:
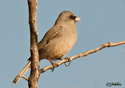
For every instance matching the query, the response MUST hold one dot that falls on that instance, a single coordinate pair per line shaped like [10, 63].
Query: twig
[25, 78]
[109, 44]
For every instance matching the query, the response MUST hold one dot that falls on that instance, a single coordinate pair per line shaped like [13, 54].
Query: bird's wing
[52, 33]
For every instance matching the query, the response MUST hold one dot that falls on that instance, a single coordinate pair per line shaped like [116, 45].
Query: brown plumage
[58, 40]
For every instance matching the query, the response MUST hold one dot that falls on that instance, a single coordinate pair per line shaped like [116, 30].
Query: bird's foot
[54, 65]
[67, 58]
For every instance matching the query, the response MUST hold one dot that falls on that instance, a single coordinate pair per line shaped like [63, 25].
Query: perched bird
[57, 41]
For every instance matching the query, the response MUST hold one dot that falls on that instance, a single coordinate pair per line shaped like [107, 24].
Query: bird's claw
[54, 65]
[67, 58]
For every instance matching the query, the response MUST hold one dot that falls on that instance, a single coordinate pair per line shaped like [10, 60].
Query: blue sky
[103, 21]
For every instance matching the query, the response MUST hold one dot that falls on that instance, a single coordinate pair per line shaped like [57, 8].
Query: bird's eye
[72, 17]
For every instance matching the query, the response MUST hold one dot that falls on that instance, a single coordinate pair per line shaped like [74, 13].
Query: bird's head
[67, 17]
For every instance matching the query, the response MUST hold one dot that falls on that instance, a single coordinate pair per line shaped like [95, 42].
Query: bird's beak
[78, 19]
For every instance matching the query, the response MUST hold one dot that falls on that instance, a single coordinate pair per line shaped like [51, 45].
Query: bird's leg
[67, 58]
[54, 64]
[64, 63]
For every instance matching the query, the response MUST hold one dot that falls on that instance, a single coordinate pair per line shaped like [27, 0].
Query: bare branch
[34, 74]
[22, 72]
[109, 44]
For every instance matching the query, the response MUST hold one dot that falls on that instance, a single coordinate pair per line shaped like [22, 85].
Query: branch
[109, 44]
[34, 74]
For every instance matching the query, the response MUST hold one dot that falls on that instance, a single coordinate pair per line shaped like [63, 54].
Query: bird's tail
[22, 72]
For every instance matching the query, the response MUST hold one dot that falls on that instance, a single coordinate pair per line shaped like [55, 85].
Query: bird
[57, 41]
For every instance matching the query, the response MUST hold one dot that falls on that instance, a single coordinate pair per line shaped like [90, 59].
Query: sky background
[102, 21]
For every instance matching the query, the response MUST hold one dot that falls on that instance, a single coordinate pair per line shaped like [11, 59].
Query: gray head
[67, 16]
